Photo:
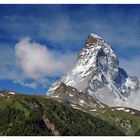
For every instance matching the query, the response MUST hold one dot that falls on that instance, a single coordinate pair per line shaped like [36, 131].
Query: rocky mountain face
[97, 73]
[75, 98]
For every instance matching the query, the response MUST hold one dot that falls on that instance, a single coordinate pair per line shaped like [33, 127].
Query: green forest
[23, 115]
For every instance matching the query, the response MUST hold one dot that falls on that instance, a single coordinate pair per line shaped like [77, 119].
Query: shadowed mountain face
[97, 73]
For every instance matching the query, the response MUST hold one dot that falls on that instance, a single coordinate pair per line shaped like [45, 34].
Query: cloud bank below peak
[131, 65]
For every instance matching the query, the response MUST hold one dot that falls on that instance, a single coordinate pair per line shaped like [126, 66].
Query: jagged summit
[95, 36]
[97, 73]
[92, 39]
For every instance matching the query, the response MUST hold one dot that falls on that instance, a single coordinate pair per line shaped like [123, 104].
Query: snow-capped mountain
[97, 73]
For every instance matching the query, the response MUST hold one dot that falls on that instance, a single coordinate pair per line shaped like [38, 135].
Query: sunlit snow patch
[119, 108]
[2, 95]
[11, 92]
[56, 96]
[93, 110]
[82, 101]
[127, 110]
[71, 95]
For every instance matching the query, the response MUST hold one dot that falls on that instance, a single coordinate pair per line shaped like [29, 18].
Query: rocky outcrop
[50, 126]
[73, 97]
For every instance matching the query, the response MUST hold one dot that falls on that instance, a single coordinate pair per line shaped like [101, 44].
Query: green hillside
[125, 121]
[22, 115]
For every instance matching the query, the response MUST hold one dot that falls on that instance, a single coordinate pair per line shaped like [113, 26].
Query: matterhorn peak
[95, 36]
[93, 39]
[97, 73]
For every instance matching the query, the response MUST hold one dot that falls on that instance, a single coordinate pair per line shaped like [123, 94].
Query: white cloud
[132, 66]
[60, 31]
[134, 100]
[37, 62]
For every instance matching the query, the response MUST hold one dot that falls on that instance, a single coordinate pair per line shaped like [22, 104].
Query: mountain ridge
[73, 97]
[97, 73]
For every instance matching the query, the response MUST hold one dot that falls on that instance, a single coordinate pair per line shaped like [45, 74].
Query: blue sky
[58, 32]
